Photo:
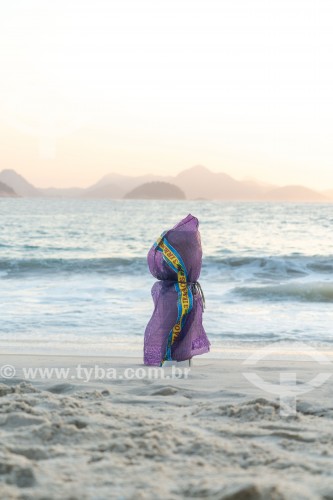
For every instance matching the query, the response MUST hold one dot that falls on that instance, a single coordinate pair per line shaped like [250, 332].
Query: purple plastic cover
[175, 330]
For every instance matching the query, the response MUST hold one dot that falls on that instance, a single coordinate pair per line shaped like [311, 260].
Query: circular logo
[7, 371]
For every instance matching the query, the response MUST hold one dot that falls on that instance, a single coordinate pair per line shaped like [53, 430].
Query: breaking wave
[274, 267]
[306, 291]
[239, 269]
[16, 267]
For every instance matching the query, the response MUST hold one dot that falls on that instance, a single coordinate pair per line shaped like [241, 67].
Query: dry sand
[211, 434]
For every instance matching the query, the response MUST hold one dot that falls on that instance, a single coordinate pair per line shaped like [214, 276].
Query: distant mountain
[156, 191]
[104, 191]
[61, 192]
[7, 191]
[20, 185]
[124, 183]
[199, 182]
[295, 193]
[262, 186]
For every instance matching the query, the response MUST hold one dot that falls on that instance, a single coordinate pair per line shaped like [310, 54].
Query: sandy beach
[204, 433]
[166, 194]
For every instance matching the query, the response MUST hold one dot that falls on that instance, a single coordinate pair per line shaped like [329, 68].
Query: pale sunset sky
[89, 87]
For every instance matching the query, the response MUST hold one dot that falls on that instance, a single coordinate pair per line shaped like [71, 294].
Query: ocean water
[74, 277]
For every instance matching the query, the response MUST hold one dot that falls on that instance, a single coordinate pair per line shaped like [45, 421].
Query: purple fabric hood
[175, 330]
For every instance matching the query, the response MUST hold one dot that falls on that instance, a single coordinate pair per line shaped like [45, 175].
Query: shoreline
[277, 350]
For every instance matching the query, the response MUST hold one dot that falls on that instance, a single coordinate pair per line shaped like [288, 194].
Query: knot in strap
[197, 289]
